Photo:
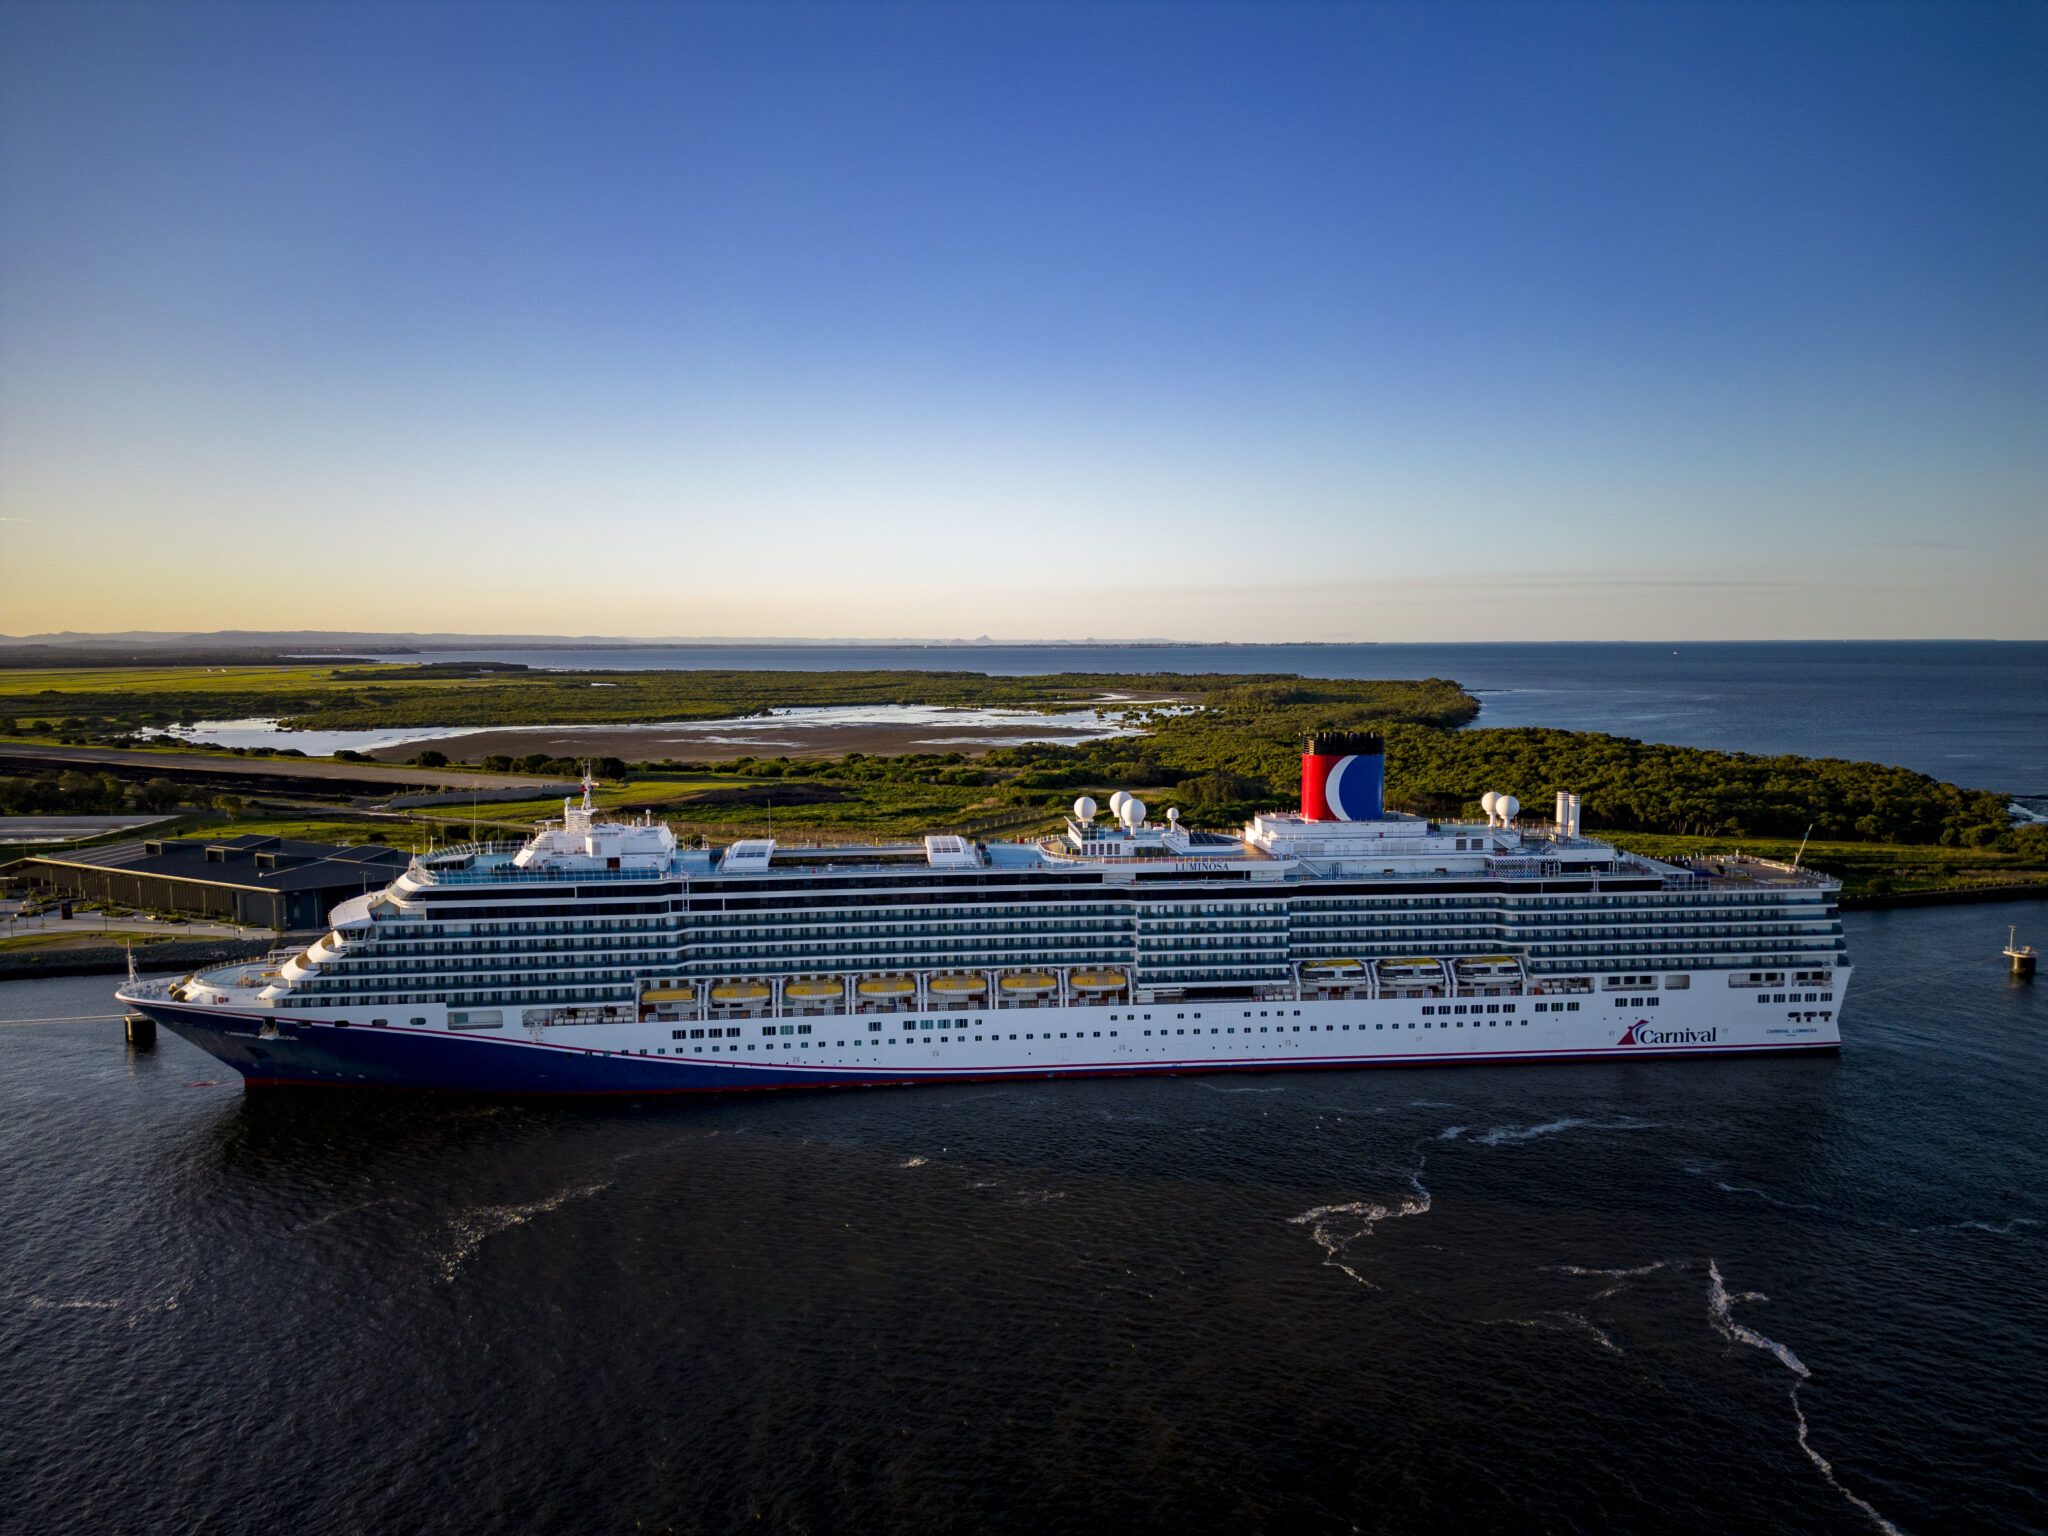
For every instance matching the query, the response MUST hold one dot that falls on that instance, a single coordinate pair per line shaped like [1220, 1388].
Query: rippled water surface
[1737, 1295]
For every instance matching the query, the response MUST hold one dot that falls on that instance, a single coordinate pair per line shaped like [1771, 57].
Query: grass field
[75, 939]
[386, 696]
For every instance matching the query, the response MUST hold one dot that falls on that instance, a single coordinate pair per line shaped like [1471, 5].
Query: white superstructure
[601, 955]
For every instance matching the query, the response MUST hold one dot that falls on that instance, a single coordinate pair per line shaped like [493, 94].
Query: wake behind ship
[602, 957]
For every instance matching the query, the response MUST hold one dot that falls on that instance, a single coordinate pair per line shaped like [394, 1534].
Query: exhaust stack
[1344, 777]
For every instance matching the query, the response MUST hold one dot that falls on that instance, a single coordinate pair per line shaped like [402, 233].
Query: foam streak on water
[1720, 1309]
[471, 1229]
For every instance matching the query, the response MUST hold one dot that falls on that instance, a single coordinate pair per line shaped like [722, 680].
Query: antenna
[1801, 854]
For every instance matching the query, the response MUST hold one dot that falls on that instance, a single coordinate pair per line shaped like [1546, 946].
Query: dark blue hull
[305, 1053]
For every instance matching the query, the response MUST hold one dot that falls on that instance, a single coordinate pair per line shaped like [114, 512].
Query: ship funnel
[1343, 776]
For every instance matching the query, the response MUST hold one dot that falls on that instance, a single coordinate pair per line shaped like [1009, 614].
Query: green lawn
[72, 938]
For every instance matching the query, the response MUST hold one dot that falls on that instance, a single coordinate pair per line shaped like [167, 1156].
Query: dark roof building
[268, 882]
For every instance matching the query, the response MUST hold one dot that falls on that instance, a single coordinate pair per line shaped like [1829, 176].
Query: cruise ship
[603, 956]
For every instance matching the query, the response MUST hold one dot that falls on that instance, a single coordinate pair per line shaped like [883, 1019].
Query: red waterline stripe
[820, 1080]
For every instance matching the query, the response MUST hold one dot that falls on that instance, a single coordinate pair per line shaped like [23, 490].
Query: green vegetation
[1221, 747]
[1633, 786]
[76, 938]
[71, 793]
[100, 702]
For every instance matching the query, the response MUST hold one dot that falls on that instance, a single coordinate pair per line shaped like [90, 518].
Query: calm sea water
[1724, 1296]
[1973, 712]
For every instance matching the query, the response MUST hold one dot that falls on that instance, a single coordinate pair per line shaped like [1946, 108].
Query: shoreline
[1955, 896]
[112, 959]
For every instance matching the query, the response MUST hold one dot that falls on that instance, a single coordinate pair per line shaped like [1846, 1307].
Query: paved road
[281, 768]
[86, 924]
[60, 829]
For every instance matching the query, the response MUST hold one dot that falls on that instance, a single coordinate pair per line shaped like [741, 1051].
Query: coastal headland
[450, 750]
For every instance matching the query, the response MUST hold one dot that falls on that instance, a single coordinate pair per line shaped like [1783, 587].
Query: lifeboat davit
[1098, 981]
[888, 986]
[1029, 982]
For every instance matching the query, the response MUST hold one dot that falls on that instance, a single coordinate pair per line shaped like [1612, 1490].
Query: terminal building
[264, 882]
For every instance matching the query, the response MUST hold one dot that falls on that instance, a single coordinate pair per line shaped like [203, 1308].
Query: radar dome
[1116, 802]
[1173, 813]
[1134, 811]
[1488, 801]
[1507, 805]
[1084, 809]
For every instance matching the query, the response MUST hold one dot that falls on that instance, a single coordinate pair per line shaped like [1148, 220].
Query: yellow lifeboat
[669, 995]
[813, 991]
[1333, 967]
[1098, 981]
[1029, 981]
[959, 986]
[888, 986]
[739, 992]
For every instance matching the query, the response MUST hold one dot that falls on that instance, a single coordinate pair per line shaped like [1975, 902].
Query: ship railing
[503, 873]
[1706, 868]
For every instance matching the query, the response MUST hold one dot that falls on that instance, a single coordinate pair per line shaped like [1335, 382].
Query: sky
[1195, 321]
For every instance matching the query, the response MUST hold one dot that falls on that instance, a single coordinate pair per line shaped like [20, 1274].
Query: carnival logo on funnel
[1643, 1033]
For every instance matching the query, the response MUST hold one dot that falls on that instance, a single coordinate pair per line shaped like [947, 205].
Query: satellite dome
[1084, 809]
[1488, 801]
[1507, 805]
[1116, 802]
[1173, 813]
[1134, 811]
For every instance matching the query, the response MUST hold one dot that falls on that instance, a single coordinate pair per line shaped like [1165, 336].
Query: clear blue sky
[1204, 321]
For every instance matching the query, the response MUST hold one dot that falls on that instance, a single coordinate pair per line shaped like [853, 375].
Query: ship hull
[276, 1049]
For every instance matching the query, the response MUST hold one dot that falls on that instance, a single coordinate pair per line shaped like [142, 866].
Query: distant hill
[275, 641]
